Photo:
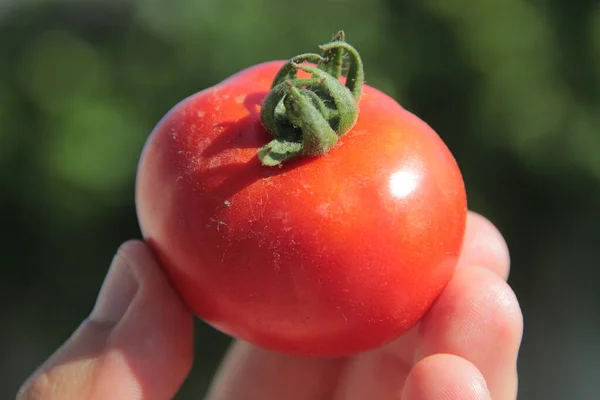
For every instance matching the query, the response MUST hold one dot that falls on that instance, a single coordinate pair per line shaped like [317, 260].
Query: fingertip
[475, 306]
[150, 350]
[445, 377]
[477, 317]
[117, 292]
[137, 255]
[485, 246]
[137, 342]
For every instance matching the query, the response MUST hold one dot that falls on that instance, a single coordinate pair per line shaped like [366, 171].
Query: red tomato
[324, 256]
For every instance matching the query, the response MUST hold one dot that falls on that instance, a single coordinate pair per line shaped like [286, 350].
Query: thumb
[136, 344]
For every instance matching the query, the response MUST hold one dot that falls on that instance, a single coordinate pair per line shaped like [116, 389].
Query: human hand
[138, 343]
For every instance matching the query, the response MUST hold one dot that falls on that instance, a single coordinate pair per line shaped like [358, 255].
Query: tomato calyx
[307, 116]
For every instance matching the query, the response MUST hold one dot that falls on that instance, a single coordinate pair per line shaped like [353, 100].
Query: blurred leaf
[96, 146]
[8, 139]
[59, 69]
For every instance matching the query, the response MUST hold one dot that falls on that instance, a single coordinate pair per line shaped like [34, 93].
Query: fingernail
[117, 292]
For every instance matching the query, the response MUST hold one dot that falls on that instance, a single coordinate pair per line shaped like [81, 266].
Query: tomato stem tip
[307, 116]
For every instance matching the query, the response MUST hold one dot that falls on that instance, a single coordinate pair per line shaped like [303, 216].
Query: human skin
[465, 347]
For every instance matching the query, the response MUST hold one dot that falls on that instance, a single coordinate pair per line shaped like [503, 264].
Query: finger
[251, 373]
[484, 246]
[381, 373]
[378, 374]
[136, 344]
[445, 377]
[477, 318]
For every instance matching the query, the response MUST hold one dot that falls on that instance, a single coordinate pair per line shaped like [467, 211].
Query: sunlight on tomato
[403, 183]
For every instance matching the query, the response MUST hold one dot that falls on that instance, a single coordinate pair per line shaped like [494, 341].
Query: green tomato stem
[307, 116]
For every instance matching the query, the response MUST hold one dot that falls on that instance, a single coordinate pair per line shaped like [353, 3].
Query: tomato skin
[325, 256]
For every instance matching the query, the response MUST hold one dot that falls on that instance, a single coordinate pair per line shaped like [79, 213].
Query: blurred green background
[512, 86]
